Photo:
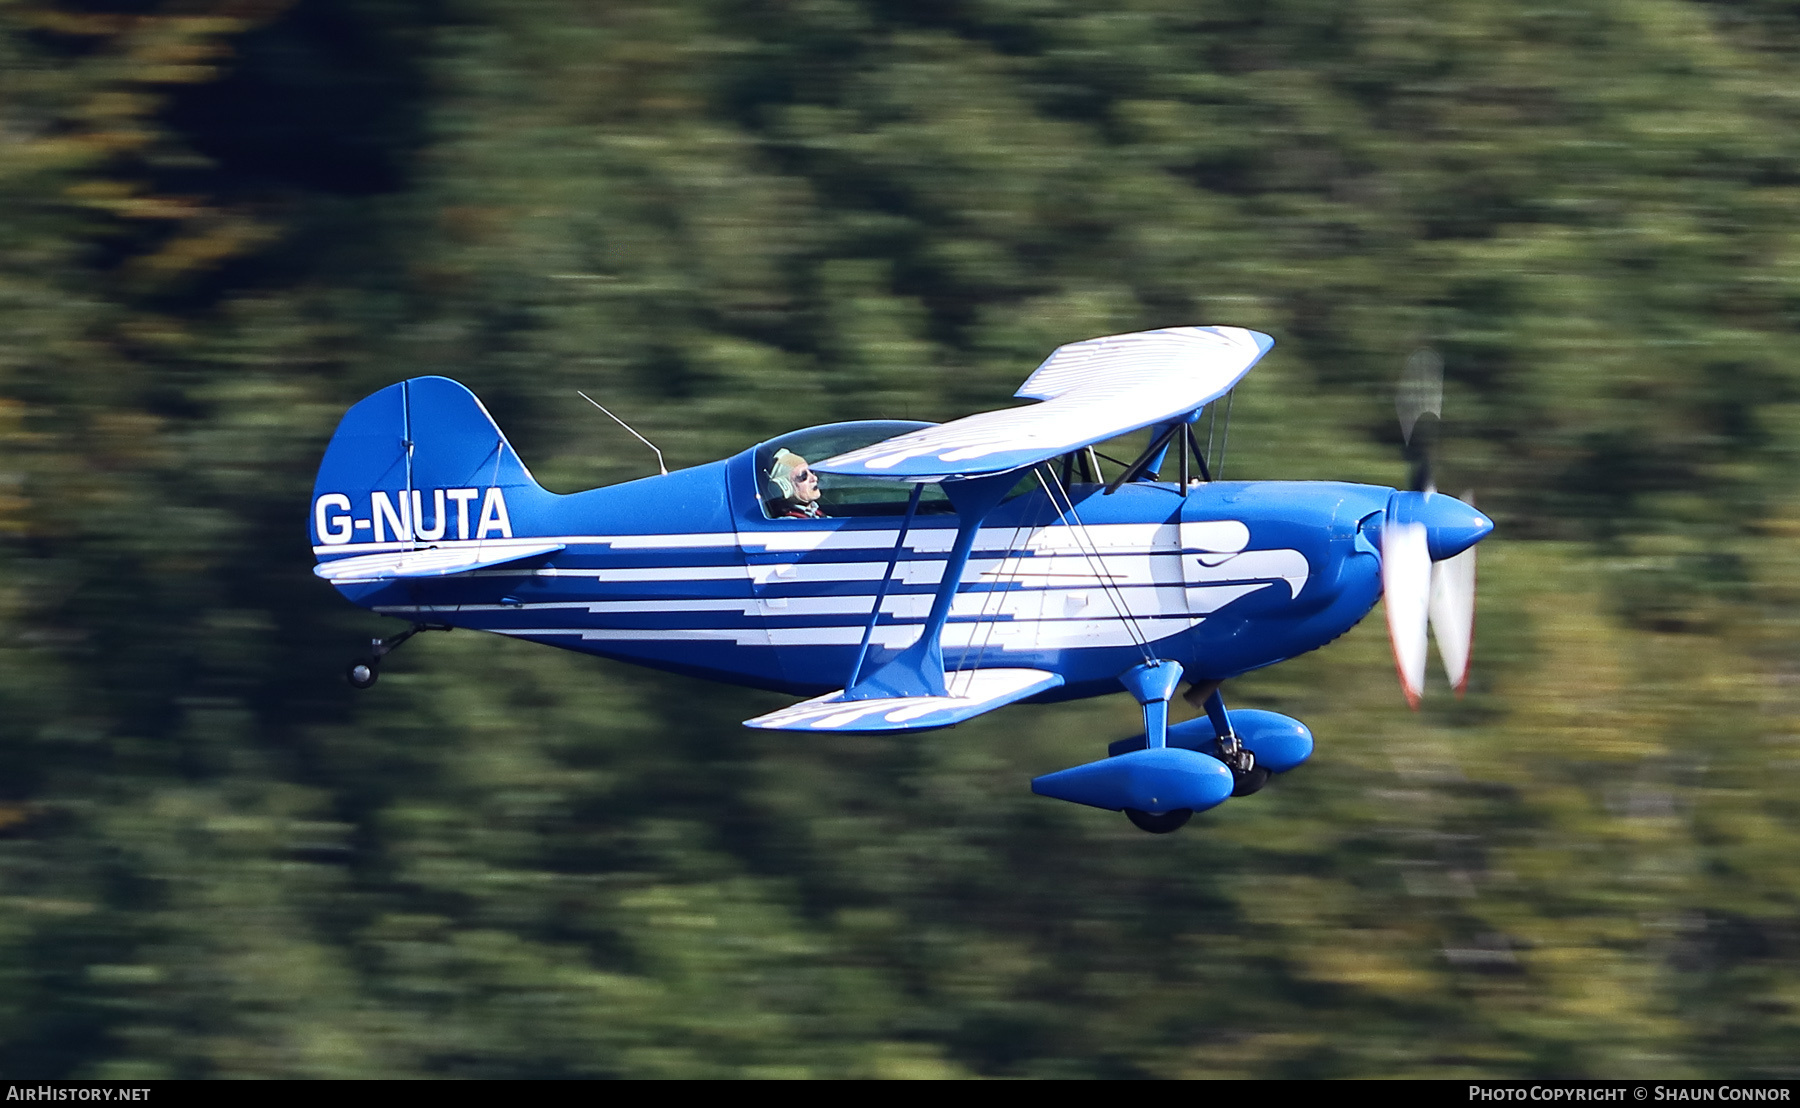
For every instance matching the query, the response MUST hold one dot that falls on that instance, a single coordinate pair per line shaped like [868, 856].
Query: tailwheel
[1159, 823]
[362, 673]
[1245, 783]
[365, 671]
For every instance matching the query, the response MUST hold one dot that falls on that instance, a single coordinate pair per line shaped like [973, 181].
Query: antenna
[627, 426]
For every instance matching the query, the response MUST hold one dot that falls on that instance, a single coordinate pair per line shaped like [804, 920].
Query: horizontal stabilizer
[1091, 391]
[972, 692]
[432, 562]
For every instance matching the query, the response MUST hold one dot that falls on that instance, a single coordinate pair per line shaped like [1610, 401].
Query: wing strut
[1199, 456]
[1151, 460]
[862, 649]
[919, 669]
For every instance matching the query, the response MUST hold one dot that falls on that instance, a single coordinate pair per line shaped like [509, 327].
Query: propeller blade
[1453, 611]
[1406, 592]
[1421, 390]
[1421, 394]
[1453, 615]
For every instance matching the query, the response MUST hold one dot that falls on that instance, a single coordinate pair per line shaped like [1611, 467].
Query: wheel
[1159, 823]
[1243, 784]
[362, 673]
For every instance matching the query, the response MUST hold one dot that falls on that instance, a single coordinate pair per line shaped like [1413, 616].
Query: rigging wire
[499, 456]
[1225, 439]
[996, 595]
[1090, 551]
[406, 443]
[996, 592]
[1212, 420]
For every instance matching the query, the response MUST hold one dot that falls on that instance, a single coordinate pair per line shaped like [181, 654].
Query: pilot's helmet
[781, 473]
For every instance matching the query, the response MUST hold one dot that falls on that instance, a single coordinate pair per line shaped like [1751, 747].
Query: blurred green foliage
[224, 221]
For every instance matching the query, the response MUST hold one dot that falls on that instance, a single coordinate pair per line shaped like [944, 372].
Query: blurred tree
[220, 224]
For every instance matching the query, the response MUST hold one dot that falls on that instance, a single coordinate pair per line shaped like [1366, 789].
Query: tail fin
[421, 463]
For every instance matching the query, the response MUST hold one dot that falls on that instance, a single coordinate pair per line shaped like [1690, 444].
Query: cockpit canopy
[839, 495]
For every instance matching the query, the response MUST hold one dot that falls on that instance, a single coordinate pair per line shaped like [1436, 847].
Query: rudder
[421, 463]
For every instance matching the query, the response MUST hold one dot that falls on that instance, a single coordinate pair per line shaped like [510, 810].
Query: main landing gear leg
[1246, 776]
[1153, 683]
[363, 672]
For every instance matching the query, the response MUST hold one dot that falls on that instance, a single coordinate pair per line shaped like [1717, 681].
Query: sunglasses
[801, 475]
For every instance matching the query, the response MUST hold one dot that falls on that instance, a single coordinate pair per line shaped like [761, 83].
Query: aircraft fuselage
[685, 572]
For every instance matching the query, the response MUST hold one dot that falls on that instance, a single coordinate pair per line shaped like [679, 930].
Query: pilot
[797, 486]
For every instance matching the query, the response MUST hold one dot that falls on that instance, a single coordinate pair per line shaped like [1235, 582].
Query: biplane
[904, 576]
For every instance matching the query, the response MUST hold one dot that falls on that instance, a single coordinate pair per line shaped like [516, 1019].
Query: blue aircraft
[906, 576]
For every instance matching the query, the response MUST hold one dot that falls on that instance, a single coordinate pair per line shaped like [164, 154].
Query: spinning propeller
[1428, 545]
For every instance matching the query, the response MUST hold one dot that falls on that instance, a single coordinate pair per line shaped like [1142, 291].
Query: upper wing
[1091, 391]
